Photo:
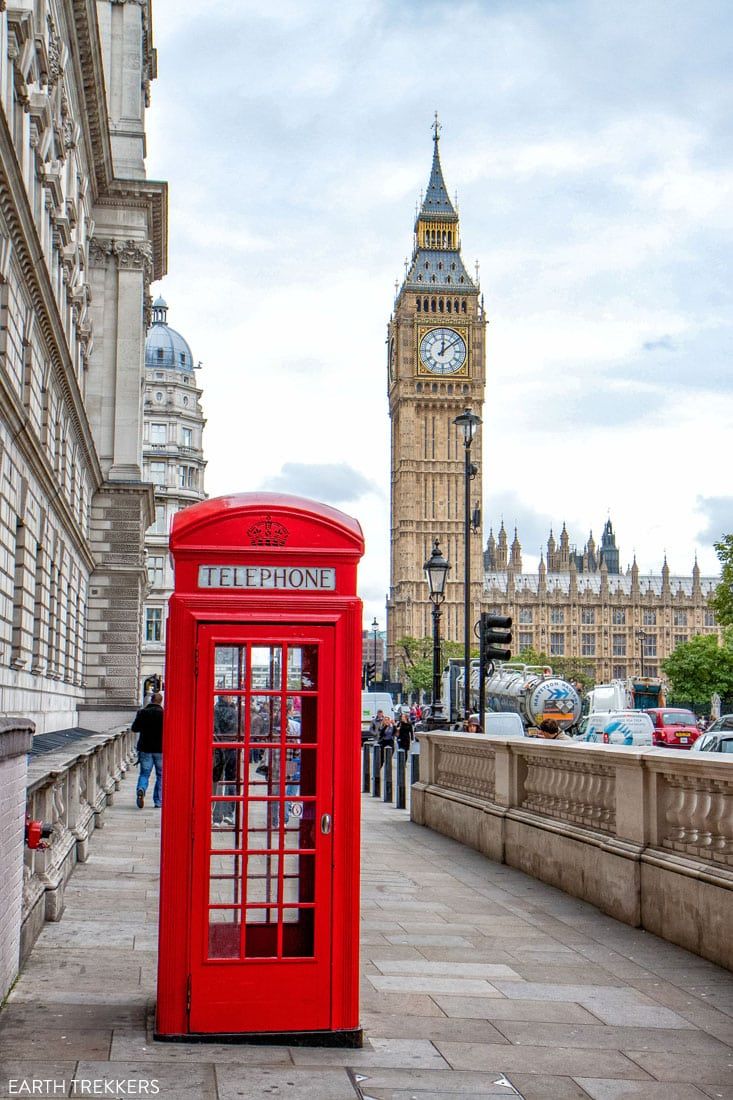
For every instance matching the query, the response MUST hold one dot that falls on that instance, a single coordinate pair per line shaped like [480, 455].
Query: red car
[674, 728]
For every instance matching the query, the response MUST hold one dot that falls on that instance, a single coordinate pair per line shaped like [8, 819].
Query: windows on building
[557, 616]
[153, 624]
[618, 616]
[649, 618]
[619, 672]
[588, 645]
[525, 615]
[649, 646]
[525, 639]
[708, 618]
[680, 639]
[588, 616]
[157, 527]
[679, 618]
[619, 645]
[157, 433]
[155, 564]
[158, 472]
[187, 477]
[187, 437]
[557, 643]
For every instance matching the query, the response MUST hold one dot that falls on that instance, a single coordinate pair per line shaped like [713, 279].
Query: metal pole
[436, 653]
[414, 768]
[401, 801]
[467, 587]
[375, 653]
[387, 787]
[365, 773]
[376, 772]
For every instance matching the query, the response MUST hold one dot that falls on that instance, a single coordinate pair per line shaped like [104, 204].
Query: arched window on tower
[448, 305]
[463, 306]
[440, 305]
[419, 305]
[425, 305]
[455, 305]
[433, 305]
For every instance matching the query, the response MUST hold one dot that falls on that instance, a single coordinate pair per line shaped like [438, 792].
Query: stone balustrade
[647, 836]
[70, 790]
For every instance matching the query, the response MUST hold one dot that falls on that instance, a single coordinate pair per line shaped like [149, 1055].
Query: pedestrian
[224, 772]
[386, 736]
[473, 725]
[148, 725]
[405, 732]
[377, 725]
[550, 731]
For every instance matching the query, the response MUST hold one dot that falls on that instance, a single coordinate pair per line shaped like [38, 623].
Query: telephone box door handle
[326, 823]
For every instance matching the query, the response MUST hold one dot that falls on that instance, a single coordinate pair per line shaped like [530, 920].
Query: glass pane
[224, 933]
[266, 671]
[260, 940]
[262, 824]
[228, 666]
[259, 772]
[299, 829]
[298, 932]
[227, 772]
[262, 873]
[265, 718]
[298, 879]
[226, 825]
[227, 718]
[225, 880]
[302, 668]
[302, 714]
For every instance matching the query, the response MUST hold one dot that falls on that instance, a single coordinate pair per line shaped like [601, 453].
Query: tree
[416, 655]
[722, 600]
[700, 667]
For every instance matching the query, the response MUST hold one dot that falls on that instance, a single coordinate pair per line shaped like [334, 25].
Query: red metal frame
[285, 992]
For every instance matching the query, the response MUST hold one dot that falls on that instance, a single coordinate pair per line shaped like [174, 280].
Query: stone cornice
[83, 17]
[149, 195]
[29, 254]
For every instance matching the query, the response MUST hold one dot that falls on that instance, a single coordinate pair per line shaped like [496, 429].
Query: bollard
[414, 767]
[401, 802]
[376, 771]
[366, 780]
[388, 753]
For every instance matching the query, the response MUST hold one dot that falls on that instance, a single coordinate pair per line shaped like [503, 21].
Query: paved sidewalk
[478, 982]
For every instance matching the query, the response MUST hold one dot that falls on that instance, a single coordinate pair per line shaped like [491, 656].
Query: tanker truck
[528, 690]
[534, 693]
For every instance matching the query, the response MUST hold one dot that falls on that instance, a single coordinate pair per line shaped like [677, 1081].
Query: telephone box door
[261, 924]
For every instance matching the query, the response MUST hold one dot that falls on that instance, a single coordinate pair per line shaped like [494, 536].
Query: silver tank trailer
[534, 693]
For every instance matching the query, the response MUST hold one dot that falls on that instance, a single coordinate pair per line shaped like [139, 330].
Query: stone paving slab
[478, 981]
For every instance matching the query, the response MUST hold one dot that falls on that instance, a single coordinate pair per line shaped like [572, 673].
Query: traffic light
[371, 672]
[495, 631]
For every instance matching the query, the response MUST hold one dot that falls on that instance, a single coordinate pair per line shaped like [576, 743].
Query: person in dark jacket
[148, 725]
[404, 732]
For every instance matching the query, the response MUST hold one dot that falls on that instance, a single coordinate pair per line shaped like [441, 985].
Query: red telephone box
[259, 892]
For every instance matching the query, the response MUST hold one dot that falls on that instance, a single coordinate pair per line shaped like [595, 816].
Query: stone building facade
[82, 234]
[173, 460]
[580, 604]
[435, 369]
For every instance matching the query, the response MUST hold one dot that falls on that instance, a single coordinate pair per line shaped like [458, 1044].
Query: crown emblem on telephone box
[267, 532]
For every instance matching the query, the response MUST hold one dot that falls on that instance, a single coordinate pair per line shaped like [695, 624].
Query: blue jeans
[146, 761]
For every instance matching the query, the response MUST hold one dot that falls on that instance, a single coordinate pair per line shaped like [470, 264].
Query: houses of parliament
[579, 603]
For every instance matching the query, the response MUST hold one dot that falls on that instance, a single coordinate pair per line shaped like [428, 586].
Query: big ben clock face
[442, 351]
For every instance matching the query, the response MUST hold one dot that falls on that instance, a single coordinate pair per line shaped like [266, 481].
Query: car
[503, 724]
[724, 724]
[620, 727]
[674, 727]
[714, 742]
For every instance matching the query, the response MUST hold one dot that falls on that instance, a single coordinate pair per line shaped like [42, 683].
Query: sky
[589, 144]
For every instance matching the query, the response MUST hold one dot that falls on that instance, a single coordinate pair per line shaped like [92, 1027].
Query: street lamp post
[375, 628]
[436, 570]
[468, 422]
[641, 635]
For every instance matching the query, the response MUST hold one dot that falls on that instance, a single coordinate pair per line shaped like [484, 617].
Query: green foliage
[700, 667]
[416, 655]
[722, 600]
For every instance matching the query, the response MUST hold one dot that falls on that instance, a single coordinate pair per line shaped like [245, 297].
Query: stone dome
[164, 347]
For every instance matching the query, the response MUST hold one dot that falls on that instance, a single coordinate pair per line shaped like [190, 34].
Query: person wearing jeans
[149, 725]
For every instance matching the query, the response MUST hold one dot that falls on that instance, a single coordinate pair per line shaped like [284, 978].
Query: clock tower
[436, 370]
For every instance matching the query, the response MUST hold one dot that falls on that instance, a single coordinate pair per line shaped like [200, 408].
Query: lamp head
[468, 422]
[436, 570]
